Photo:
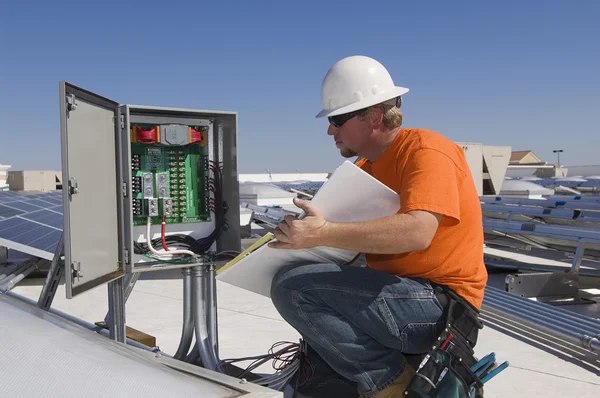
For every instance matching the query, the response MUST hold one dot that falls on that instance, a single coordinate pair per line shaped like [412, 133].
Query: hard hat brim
[370, 101]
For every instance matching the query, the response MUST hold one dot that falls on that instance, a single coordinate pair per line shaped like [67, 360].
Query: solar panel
[7, 194]
[14, 196]
[21, 206]
[31, 222]
[45, 217]
[6, 211]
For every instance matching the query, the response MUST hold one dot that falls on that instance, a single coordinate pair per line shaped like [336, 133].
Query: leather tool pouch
[446, 370]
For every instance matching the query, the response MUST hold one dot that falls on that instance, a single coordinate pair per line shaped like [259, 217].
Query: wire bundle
[287, 362]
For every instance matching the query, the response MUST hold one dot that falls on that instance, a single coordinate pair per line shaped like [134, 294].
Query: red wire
[196, 136]
[162, 234]
[309, 375]
[147, 135]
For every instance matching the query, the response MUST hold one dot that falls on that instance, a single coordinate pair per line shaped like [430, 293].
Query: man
[365, 321]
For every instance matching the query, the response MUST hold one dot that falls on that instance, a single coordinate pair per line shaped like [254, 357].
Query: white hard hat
[354, 83]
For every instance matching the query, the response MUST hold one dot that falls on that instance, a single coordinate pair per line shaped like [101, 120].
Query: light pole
[557, 152]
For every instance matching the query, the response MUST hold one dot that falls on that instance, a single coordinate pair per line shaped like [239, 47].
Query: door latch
[76, 270]
[73, 186]
[71, 103]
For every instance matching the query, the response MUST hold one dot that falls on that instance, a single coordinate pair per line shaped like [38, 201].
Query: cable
[163, 230]
[288, 356]
[160, 254]
[182, 260]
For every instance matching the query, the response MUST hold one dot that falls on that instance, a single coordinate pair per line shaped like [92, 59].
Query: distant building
[525, 157]
[3, 178]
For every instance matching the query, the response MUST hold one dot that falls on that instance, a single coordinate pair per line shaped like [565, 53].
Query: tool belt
[446, 371]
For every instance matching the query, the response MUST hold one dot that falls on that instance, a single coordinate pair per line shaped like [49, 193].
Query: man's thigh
[401, 313]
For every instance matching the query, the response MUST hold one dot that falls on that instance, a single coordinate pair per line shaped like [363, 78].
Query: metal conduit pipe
[588, 342]
[211, 310]
[527, 303]
[550, 318]
[187, 331]
[193, 355]
[546, 310]
[4, 276]
[18, 270]
[199, 306]
[80, 322]
[9, 282]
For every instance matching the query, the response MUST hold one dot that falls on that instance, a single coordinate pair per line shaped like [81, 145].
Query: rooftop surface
[250, 325]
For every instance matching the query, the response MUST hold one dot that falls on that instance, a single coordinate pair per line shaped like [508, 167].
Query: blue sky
[518, 73]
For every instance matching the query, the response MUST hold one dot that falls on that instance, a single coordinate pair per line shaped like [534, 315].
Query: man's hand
[293, 233]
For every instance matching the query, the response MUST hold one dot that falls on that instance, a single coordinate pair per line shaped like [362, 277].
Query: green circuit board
[170, 181]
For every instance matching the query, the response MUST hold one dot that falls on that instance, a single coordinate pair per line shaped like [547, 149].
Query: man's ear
[376, 116]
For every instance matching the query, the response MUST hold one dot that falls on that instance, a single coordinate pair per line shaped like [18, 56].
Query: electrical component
[167, 207]
[197, 137]
[154, 159]
[173, 164]
[161, 185]
[174, 134]
[137, 207]
[136, 185]
[145, 134]
[152, 207]
[135, 163]
[147, 185]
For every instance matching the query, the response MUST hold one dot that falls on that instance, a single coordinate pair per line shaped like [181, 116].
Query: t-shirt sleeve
[430, 183]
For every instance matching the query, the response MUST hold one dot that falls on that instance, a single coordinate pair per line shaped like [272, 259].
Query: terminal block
[161, 185]
[135, 163]
[148, 185]
[167, 207]
[152, 207]
[137, 207]
[136, 186]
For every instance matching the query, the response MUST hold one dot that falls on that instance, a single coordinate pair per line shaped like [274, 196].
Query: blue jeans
[361, 321]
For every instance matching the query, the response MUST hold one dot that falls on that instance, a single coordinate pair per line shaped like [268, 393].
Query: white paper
[350, 195]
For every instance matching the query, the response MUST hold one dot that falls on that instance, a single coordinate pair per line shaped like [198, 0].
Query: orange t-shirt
[430, 172]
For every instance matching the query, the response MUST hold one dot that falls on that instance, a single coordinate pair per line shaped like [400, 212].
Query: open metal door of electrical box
[91, 189]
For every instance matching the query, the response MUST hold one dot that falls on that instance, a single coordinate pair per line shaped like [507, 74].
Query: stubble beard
[347, 153]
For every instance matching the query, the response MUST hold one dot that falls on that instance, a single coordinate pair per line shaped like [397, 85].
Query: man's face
[350, 137]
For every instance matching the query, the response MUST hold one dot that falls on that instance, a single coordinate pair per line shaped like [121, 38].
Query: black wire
[261, 359]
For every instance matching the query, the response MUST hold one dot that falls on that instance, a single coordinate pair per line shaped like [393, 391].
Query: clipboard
[349, 195]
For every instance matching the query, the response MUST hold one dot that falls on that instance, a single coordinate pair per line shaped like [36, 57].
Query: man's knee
[280, 295]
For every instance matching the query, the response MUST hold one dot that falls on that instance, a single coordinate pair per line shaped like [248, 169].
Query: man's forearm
[400, 233]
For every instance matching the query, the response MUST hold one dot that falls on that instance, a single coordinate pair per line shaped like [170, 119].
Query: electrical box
[144, 187]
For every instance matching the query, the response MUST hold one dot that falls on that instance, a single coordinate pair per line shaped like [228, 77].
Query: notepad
[349, 195]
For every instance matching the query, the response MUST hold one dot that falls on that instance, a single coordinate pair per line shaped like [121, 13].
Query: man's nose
[331, 130]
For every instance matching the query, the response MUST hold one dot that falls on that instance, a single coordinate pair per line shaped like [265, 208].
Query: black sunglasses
[339, 120]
